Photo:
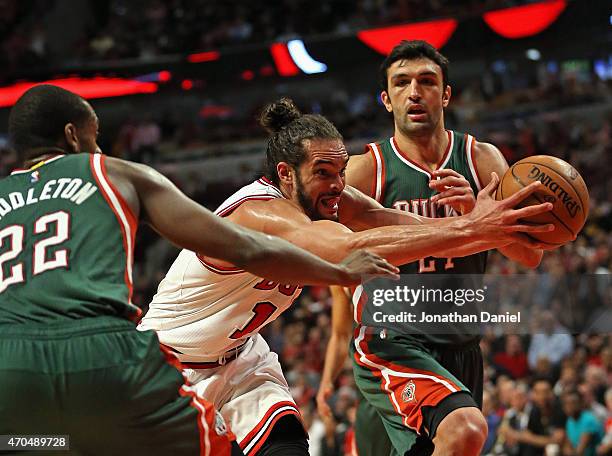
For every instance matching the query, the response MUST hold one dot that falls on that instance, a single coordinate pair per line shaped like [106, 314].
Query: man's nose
[338, 183]
[415, 93]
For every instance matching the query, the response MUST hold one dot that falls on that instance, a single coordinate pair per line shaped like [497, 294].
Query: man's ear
[285, 172]
[446, 96]
[384, 96]
[70, 136]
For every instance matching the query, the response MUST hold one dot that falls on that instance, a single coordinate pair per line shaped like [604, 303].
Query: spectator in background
[513, 359]
[545, 369]
[568, 380]
[505, 388]
[553, 342]
[594, 344]
[595, 377]
[584, 432]
[515, 421]
[301, 390]
[545, 428]
[490, 412]
[605, 448]
[591, 404]
[606, 362]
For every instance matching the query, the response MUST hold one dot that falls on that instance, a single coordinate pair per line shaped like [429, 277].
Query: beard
[307, 203]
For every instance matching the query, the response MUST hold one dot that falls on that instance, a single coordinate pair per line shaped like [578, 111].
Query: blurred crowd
[120, 29]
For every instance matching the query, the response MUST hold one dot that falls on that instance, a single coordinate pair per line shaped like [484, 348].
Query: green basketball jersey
[66, 243]
[403, 184]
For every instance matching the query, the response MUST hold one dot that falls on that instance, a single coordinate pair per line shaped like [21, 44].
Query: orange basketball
[563, 187]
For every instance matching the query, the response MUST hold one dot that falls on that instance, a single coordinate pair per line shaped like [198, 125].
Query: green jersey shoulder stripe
[125, 216]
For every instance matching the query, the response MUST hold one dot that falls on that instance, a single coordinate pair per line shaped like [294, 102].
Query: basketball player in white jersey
[209, 312]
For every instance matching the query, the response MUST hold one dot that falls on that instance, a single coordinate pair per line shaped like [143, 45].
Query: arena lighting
[533, 54]
[285, 66]
[164, 76]
[203, 57]
[98, 87]
[158, 76]
[247, 75]
[382, 40]
[302, 58]
[527, 20]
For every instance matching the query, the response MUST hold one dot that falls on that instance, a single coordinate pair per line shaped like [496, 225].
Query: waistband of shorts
[468, 345]
[76, 327]
[210, 362]
[471, 343]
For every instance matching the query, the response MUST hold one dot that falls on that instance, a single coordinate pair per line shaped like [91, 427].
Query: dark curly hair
[288, 129]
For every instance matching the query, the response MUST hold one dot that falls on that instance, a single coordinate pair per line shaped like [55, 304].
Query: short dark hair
[541, 378]
[288, 129]
[412, 50]
[40, 115]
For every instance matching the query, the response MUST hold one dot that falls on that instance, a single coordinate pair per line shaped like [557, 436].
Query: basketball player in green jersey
[434, 172]
[72, 362]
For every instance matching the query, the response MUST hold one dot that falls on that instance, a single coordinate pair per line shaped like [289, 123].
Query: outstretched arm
[490, 221]
[189, 225]
[360, 212]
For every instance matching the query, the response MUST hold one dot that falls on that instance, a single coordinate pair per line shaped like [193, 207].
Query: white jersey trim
[252, 192]
[451, 143]
[386, 373]
[36, 166]
[107, 189]
[379, 172]
[469, 152]
[284, 410]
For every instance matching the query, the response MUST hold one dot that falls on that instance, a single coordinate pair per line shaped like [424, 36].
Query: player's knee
[462, 432]
[287, 438]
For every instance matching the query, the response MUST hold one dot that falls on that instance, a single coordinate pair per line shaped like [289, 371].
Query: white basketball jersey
[202, 310]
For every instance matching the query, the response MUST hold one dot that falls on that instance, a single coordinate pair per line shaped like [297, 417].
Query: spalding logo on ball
[562, 186]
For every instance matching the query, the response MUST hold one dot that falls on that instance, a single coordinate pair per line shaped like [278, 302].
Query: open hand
[454, 190]
[500, 221]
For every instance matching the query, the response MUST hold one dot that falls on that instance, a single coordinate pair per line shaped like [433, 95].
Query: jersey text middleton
[73, 189]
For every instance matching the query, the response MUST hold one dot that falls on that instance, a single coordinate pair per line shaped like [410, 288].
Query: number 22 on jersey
[13, 236]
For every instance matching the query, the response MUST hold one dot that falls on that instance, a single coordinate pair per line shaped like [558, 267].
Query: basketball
[563, 187]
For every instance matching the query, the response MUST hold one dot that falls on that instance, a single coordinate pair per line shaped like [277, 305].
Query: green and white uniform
[72, 361]
[404, 376]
